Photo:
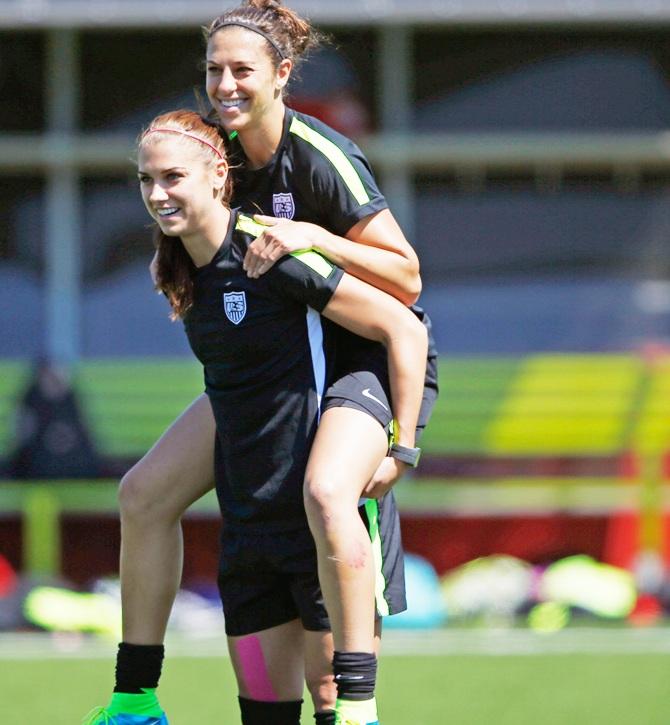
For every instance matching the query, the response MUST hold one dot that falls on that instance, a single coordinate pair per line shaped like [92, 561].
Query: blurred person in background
[321, 193]
[52, 438]
[267, 362]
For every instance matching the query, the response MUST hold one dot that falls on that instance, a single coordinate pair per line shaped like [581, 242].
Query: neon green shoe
[127, 709]
[356, 712]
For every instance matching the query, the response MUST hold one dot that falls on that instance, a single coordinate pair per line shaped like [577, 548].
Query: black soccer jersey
[266, 358]
[316, 175]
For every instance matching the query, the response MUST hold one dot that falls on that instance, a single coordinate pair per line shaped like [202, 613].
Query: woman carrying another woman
[289, 164]
[267, 358]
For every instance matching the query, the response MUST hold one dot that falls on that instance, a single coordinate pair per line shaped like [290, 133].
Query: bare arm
[374, 250]
[377, 252]
[371, 313]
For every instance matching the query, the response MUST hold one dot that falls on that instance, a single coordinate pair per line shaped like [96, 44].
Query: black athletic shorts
[266, 579]
[369, 390]
[362, 379]
[270, 578]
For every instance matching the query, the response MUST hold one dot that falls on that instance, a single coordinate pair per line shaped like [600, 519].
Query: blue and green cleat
[127, 709]
[356, 712]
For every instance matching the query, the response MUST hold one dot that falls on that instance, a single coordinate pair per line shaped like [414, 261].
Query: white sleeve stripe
[315, 335]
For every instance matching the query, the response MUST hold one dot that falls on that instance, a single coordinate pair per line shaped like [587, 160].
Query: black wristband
[407, 455]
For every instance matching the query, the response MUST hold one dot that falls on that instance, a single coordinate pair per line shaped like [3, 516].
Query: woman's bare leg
[319, 670]
[319, 679]
[153, 495]
[269, 665]
[349, 446]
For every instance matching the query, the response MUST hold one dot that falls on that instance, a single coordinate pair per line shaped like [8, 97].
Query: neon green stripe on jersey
[336, 156]
[307, 256]
[249, 226]
[315, 261]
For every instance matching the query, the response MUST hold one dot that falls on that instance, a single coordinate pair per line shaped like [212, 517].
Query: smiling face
[242, 82]
[181, 186]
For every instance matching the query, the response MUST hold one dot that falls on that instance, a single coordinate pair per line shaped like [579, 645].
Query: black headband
[253, 29]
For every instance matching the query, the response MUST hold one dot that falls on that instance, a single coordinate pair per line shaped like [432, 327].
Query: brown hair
[174, 266]
[287, 34]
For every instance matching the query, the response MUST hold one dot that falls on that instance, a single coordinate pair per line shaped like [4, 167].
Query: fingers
[268, 221]
[282, 237]
[262, 268]
[376, 489]
[261, 255]
[389, 471]
[371, 491]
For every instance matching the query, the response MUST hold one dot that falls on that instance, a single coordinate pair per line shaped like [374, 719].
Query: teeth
[232, 104]
[167, 212]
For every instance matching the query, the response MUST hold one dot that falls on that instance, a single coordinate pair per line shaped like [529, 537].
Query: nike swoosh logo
[368, 394]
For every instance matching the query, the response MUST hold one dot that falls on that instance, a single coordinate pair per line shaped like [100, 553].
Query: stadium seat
[471, 391]
[568, 404]
[129, 403]
[13, 378]
[541, 405]
[651, 431]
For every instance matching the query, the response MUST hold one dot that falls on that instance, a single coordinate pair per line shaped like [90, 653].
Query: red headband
[186, 133]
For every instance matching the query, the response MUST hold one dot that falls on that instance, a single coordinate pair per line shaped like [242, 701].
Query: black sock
[325, 718]
[255, 712]
[355, 675]
[138, 666]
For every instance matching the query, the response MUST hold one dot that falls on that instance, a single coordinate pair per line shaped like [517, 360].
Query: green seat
[471, 390]
[651, 433]
[14, 376]
[544, 405]
[129, 403]
[568, 405]
[534, 406]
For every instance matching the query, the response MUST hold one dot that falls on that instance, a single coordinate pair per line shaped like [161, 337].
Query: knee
[321, 499]
[137, 502]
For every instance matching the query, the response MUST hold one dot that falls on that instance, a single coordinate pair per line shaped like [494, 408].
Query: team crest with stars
[283, 206]
[235, 306]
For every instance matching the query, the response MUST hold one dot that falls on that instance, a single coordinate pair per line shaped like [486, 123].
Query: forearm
[374, 250]
[370, 313]
[388, 270]
[407, 354]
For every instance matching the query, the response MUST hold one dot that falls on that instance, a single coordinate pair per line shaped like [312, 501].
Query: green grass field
[551, 689]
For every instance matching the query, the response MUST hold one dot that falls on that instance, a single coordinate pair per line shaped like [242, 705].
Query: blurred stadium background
[525, 147]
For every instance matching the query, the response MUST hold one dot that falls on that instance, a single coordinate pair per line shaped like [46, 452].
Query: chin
[170, 231]
[233, 124]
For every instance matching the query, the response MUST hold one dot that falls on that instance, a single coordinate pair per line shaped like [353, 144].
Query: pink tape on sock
[254, 669]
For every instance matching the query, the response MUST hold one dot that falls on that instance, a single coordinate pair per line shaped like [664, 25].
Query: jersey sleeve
[305, 277]
[340, 177]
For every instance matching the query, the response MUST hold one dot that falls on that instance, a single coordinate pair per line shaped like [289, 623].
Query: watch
[407, 455]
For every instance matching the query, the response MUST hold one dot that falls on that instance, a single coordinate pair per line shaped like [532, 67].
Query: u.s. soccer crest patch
[283, 206]
[235, 306]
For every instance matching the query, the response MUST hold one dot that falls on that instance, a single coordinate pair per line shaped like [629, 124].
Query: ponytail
[287, 34]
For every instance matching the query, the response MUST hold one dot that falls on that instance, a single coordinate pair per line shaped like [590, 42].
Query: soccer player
[267, 358]
[319, 184]
[289, 165]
